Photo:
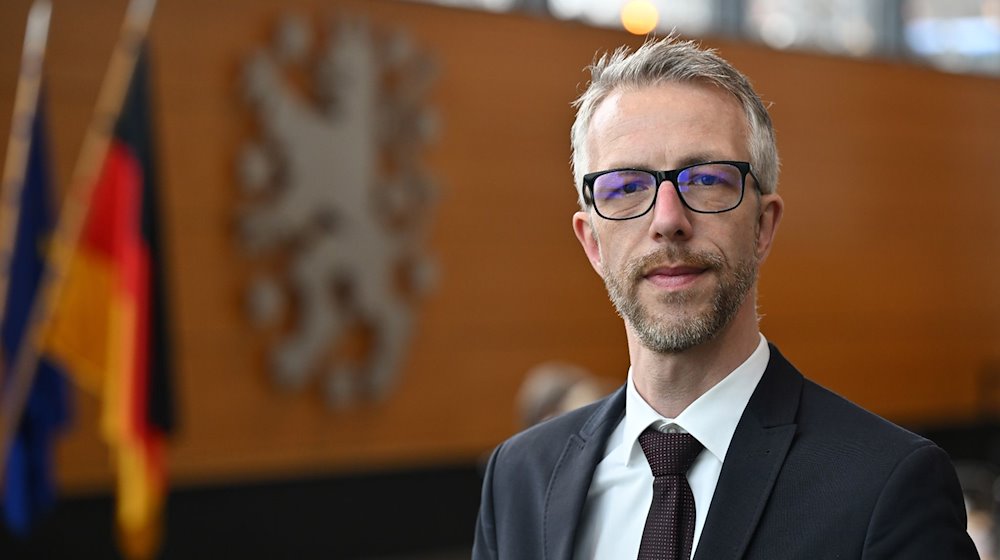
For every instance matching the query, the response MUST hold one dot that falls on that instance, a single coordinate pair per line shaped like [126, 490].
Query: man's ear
[771, 209]
[584, 230]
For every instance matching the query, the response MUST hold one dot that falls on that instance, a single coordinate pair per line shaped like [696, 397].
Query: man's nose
[671, 219]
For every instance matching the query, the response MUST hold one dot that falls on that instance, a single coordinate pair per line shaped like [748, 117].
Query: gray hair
[672, 60]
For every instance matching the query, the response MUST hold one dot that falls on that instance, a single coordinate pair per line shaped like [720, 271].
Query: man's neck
[671, 382]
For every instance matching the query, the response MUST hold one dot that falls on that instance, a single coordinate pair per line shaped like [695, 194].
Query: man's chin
[673, 338]
[669, 326]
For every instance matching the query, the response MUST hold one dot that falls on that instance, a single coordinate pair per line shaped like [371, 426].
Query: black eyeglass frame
[669, 175]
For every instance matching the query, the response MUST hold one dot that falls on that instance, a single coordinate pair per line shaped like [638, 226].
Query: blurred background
[370, 279]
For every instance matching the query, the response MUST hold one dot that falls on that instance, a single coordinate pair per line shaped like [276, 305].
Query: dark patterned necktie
[669, 530]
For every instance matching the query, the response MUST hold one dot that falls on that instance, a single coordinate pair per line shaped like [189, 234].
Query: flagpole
[29, 83]
[72, 215]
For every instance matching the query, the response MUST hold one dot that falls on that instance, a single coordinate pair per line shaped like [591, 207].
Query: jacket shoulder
[823, 411]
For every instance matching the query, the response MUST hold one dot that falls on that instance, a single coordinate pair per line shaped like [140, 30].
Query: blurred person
[979, 487]
[676, 169]
[553, 388]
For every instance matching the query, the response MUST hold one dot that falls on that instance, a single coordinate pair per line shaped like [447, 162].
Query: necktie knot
[669, 453]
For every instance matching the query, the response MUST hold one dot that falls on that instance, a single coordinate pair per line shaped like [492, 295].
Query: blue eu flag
[28, 489]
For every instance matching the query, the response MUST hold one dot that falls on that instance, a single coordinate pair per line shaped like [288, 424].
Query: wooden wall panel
[881, 286]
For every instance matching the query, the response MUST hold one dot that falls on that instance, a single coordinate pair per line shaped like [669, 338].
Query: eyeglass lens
[710, 187]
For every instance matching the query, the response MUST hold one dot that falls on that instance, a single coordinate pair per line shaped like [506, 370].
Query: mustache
[674, 255]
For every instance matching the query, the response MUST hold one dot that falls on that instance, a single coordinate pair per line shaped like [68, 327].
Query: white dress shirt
[622, 487]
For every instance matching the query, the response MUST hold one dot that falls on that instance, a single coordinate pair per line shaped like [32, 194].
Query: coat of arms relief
[333, 188]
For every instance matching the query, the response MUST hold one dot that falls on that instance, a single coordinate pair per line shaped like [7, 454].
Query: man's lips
[674, 277]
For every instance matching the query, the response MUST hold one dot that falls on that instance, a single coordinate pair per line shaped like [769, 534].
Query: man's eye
[630, 188]
[707, 180]
[621, 185]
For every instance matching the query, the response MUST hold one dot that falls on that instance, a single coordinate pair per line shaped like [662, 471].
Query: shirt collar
[711, 418]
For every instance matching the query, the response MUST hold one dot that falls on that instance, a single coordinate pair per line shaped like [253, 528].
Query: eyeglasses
[708, 188]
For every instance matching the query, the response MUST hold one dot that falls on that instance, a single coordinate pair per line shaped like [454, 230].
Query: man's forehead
[693, 121]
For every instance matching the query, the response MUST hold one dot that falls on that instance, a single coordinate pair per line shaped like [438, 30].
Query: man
[676, 167]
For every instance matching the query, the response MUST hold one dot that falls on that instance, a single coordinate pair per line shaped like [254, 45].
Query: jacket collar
[567, 489]
[755, 457]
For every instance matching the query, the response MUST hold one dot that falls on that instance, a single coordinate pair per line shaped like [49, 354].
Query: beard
[683, 327]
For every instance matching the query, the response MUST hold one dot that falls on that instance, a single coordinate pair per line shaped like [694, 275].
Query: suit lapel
[567, 490]
[755, 457]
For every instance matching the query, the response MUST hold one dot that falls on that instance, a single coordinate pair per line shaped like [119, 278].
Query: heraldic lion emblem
[336, 203]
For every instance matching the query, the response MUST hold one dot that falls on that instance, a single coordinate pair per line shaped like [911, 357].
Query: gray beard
[679, 332]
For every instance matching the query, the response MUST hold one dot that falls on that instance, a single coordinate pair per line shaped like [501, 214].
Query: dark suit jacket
[808, 476]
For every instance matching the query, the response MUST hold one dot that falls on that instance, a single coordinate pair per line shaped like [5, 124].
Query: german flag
[109, 326]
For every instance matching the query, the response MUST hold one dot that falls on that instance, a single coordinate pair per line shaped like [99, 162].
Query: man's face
[677, 277]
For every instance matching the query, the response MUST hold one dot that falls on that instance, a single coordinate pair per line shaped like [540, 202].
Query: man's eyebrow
[698, 158]
[686, 161]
